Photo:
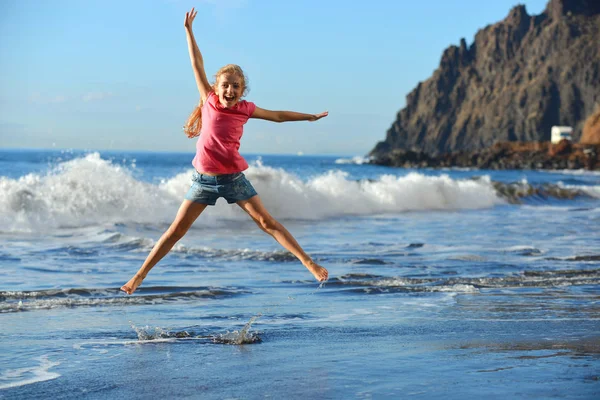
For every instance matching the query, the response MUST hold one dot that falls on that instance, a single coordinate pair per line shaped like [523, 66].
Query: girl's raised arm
[196, 57]
[285, 116]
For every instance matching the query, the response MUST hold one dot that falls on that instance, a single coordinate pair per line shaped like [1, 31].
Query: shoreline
[501, 156]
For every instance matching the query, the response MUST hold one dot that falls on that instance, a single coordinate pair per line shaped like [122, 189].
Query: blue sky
[103, 74]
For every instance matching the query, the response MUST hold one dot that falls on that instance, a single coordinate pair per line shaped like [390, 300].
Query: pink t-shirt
[219, 142]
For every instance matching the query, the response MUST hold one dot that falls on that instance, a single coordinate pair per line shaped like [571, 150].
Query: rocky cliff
[516, 80]
[591, 128]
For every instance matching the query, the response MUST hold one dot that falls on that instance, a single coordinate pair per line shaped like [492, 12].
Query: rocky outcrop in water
[502, 155]
[517, 79]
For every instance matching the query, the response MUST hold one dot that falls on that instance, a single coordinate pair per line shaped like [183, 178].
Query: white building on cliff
[559, 133]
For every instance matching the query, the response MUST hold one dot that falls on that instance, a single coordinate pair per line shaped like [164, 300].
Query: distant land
[518, 78]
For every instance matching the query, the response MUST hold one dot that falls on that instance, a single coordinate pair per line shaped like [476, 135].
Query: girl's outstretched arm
[285, 116]
[195, 56]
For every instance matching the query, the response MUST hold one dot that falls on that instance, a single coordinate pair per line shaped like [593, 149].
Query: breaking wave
[17, 301]
[92, 191]
[370, 283]
[517, 192]
[89, 191]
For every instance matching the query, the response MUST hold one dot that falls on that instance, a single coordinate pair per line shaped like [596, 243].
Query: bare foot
[319, 272]
[132, 285]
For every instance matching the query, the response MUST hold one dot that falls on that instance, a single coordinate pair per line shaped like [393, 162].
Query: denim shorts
[206, 189]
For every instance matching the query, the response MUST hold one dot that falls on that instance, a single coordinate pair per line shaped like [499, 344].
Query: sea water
[443, 283]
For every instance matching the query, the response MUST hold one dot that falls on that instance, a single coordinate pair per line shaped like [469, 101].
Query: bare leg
[187, 214]
[255, 208]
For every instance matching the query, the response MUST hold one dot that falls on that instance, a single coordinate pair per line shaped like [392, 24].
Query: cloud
[96, 96]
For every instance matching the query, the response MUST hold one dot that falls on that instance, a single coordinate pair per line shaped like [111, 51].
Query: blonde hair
[193, 124]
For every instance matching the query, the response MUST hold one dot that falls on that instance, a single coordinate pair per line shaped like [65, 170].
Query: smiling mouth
[229, 98]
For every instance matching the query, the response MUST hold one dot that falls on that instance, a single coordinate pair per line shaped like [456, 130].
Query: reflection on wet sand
[574, 348]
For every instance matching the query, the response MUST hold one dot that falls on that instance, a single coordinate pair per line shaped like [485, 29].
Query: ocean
[444, 284]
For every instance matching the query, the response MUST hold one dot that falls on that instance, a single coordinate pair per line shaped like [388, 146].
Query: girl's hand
[189, 18]
[319, 116]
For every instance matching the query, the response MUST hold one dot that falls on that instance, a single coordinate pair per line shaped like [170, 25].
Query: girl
[221, 116]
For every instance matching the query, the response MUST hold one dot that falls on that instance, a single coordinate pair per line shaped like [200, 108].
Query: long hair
[193, 124]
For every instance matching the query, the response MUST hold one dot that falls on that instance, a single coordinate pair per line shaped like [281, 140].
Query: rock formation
[517, 79]
[502, 155]
[591, 128]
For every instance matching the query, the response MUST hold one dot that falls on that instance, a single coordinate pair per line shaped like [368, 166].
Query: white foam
[334, 194]
[26, 376]
[458, 288]
[82, 301]
[92, 191]
[579, 172]
[48, 304]
[522, 248]
[236, 254]
[140, 244]
[592, 191]
[402, 282]
[80, 192]
[358, 160]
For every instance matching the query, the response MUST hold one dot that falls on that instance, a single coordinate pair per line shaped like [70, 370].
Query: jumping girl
[221, 115]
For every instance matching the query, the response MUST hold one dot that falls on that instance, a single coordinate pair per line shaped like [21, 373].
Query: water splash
[148, 333]
[241, 337]
[244, 336]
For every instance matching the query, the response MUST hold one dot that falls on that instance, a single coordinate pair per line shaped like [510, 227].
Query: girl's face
[229, 89]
